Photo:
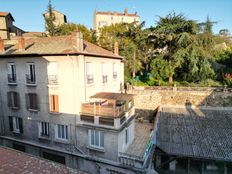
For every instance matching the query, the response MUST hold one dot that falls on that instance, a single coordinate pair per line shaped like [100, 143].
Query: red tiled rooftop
[117, 14]
[4, 14]
[15, 162]
[56, 45]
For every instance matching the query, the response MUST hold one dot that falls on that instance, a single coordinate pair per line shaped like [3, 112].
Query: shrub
[228, 79]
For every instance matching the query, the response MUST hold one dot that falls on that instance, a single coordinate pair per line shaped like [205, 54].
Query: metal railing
[30, 79]
[114, 75]
[52, 79]
[90, 78]
[11, 78]
[104, 79]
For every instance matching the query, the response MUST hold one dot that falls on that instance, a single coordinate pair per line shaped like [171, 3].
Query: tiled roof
[55, 45]
[33, 34]
[117, 14]
[15, 162]
[196, 132]
[4, 14]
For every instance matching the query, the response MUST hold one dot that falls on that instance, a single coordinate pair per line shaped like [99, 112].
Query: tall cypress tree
[49, 20]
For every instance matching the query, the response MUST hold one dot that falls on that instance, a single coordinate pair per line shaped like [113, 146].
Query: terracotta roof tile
[117, 14]
[15, 162]
[4, 14]
[56, 45]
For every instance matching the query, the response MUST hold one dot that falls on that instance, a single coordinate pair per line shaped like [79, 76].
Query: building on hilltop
[102, 19]
[7, 29]
[62, 101]
[60, 18]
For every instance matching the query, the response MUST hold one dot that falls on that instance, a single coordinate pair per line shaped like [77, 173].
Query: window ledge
[33, 110]
[12, 84]
[32, 85]
[64, 141]
[14, 108]
[90, 84]
[100, 149]
[55, 113]
[16, 132]
[44, 137]
[53, 85]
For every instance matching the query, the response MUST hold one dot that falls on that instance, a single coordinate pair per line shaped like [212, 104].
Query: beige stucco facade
[102, 19]
[7, 29]
[59, 17]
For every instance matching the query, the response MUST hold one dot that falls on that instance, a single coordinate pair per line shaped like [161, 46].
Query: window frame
[31, 76]
[64, 136]
[31, 102]
[11, 75]
[13, 99]
[89, 73]
[54, 103]
[96, 139]
[44, 128]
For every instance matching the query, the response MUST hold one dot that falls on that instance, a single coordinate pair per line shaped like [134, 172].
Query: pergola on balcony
[113, 105]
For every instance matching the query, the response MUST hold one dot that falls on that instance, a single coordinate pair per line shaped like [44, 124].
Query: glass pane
[97, 138]
[92, 137]
[101, 139]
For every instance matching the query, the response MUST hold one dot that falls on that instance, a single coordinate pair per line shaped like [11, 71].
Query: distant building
[102, 19]
[7, 29]
[60, 18]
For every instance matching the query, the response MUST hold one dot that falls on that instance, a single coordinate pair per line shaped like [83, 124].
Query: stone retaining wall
[146, 101]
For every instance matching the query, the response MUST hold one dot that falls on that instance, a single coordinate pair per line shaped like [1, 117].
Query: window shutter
[9, 101]
[20, 125]
[37, 101]
[56, 103]
[51, 103]
[17, 100]
[11, 123]
[27, 101]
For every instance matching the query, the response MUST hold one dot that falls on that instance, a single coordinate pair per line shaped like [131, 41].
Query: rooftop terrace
[203, 133]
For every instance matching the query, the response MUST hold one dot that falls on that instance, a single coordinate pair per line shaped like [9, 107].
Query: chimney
[77, 40]
[116, 48]
[2, 47]
[21, 43]
[126, 11]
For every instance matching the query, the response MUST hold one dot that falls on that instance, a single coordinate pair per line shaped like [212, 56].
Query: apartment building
[7, 29]
[60, 18]
[61, 100]
[102, 19]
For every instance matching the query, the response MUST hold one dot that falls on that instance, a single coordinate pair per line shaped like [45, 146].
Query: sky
[28, 13]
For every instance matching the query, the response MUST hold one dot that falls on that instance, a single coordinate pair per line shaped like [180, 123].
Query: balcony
[107, 109]
[102, 109]
[30, 80]
[52, 80]
[11, 78]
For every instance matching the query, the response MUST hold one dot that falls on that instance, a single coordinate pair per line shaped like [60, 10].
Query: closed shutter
[17, 100]
[9, 101]
[11, 123]
[56, 97]
[20, 125]
[27, 101]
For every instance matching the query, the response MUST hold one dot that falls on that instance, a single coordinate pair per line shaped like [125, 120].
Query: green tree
[49, 20]
[68, 28]
[173, 34]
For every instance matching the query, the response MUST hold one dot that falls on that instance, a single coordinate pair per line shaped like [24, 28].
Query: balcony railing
[90, 79]
[114, 75]
[30, 79]
[11, 78]
[104, 79]
[101, 110]
[52, 80]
